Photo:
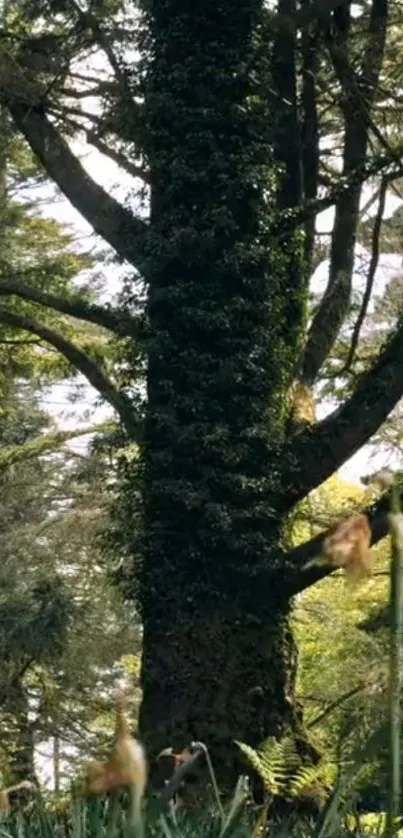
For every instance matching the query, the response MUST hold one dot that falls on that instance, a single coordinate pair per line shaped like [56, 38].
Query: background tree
[55, 596]
[64, 631]
[34, 607]
[235, 118]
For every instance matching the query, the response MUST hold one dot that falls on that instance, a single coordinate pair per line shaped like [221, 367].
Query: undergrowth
[283, 776]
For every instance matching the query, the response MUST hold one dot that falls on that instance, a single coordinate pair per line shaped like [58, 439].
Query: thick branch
[125, 233]
[302, 577]
[318, 451]
[309, 134]
[318, 10]
[357, 98]
[120, 323]
[44, 444]
[286, 122]
[92, 372]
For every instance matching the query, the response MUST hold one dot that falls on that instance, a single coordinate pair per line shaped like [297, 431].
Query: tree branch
[319, 450]
[383, 164]
[315, 10]
[371, 276]
[300, 577]
[318, 10]
[117, 225]
[122, 324]
[92, 372]
[13, 454]
[117, 157]
[90, 21]
[358, 96]
[334, 705]
[309, 133]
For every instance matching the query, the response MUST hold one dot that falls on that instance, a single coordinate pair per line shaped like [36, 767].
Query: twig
[371, 276]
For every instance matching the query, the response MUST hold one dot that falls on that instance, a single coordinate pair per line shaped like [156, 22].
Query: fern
[306, 777]
[279, 766]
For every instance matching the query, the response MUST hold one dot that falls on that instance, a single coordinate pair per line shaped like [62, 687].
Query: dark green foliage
[34, 607]
[33, 625]
[215, 295]
[224, 335]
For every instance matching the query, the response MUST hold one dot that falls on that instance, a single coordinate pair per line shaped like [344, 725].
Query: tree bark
[218, 657]
[22, 766]
[359, 94]
[56, 763]
[217, 676]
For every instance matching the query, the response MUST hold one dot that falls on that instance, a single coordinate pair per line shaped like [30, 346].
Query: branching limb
[117, 225]
[319, 450]
[302, 577]
[317, 10]
[371, 276]
[117, 157]
[92, 372]
[122, 324]
[89, 21]
[383, 164]
[43, 444]
[358, 97]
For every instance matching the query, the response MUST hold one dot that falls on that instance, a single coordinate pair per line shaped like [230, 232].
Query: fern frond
[280, 767]
[306, 777]
[262, 766]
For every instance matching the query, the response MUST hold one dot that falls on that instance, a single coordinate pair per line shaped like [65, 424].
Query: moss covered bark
[226, 320]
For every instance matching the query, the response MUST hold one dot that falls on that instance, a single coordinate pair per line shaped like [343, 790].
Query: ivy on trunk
[224, 338]
[228, 129]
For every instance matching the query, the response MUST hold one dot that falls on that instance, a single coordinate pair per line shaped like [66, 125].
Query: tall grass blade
[202, 747]
[237, 804]
[395, 670]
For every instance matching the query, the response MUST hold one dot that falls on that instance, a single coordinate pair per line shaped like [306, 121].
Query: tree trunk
[217, 676]
[56, 763]
[226, 315]
[22, 764]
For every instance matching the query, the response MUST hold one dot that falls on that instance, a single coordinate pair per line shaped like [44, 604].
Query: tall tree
[34, 605]
[231, 119]
[63, 627]
[38, 494]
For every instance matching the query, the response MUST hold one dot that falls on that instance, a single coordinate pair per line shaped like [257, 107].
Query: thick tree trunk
[226, 315]
[219, 675]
